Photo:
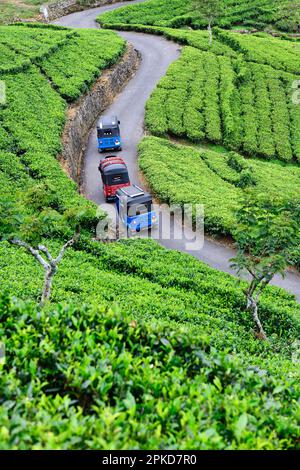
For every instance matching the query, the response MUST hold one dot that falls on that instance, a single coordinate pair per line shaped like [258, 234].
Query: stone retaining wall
[64, 7]
[82, 116]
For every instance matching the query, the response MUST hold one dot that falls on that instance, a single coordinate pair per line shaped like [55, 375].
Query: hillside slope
[282, 14]
[237, 94]
[93, 378]
[140, 347]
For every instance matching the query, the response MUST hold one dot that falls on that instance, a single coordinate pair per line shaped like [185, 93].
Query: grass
[24, 9]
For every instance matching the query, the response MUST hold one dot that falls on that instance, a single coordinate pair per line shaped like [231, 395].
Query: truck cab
[108, 134]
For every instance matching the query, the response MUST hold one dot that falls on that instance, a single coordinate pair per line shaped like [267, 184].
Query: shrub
[99, 378]
[176, 14]
[242, 105]
[74, 67]
[181, 174]
[35, 138]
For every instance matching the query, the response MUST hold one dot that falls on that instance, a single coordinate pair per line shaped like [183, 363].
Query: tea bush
[195, 38]
[11, 60]
[175, 14]
[95, 378]
[179, 175]
[35, 138]
[244, 106]
[184, 174]
[278, 53]
[140, 347]
[71, 59]
[74, 67]
[25, 9]
[241, 101]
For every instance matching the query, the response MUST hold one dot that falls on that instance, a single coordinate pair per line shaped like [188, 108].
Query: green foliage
[179, 175]
[163, 372]
[176, 13]
[30, 44]
[182, 174]
[36, 137]
[154, 12]
[266, 233]
[33, 131]
[244, 106]
[71, 59]
[31, 141]
[294, 110]
[138, 274]
[14, 10]
[73, 68]
[98, 379]
[198, 39]
[278, 53]
[11, 60]
[288, 16]
[37, 214]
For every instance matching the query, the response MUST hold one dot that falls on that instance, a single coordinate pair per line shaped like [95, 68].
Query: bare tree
[208, 10]
[31, 220]
[49, 263]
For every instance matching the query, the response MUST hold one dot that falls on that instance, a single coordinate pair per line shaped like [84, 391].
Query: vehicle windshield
[121, 178]
[106, 133]
[134, 210]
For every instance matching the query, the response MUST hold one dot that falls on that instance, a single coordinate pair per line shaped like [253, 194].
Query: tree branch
[262, 287]
[45, 250]
[32, 251]
[66, 246]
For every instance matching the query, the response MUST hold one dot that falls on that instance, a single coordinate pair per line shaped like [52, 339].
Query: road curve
[157, 54]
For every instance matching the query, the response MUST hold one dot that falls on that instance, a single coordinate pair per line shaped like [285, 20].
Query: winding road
[157, 54]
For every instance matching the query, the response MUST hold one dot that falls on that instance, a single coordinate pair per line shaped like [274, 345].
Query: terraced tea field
[244, 106]
[259, 14]
[140, 347]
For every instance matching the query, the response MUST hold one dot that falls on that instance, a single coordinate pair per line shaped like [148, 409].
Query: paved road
[157, 54]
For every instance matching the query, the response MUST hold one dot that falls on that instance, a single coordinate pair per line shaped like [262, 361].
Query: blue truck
[108, 134]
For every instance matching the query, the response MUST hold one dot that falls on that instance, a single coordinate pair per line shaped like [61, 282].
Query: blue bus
[108, 134]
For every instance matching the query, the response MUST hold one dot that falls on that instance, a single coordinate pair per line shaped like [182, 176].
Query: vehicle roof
[108, 122]
[115, 168]
[111, 161]
[134, 194]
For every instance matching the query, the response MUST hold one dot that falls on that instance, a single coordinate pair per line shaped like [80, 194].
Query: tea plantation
[216, 179]
[19, 9]
[177, 13]
[240, 93]
[139, 347]
[176, 341]
[31, 141]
